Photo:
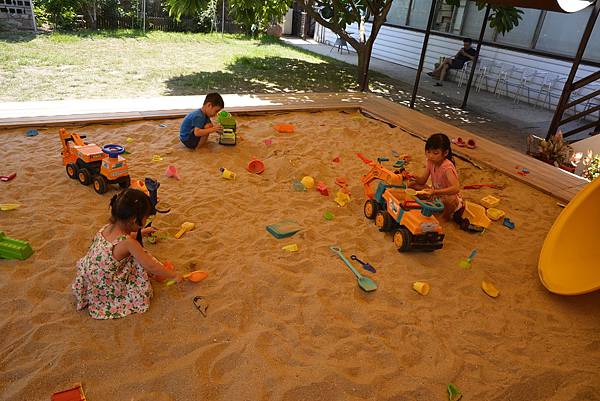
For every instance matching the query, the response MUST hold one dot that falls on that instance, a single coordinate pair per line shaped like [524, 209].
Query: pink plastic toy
[322, 188]
[172, 172]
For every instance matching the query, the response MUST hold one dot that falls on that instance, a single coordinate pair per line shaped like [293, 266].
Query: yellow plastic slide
[569, 263]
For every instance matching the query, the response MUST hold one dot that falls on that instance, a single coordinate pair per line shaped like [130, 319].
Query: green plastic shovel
[363, 282]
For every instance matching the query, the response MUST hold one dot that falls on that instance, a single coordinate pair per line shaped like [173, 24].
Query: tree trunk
[91, 9]
[364, 60]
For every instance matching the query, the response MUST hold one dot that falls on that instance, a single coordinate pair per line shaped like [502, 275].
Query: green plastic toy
[11, 248]
[454, 393]
[228, 136]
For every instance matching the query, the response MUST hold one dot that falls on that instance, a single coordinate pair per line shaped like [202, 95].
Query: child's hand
[427, 192]
[148, 231]
[218, 128]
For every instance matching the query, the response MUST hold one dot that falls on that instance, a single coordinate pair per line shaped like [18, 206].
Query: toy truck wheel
[384, 221]
[125, 182]
[100, 184]
[402, 239]
[72, 170]
[84, 176]
[370, 209]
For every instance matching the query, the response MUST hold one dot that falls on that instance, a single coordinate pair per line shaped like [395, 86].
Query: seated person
[197, 126]
[467, 53]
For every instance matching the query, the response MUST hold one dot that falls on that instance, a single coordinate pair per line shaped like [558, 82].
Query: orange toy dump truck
[410, 218]
[90, 163]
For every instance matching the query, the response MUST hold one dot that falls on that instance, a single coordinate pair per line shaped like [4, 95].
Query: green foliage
[251, 15]
[502, 19]
[61, 14]
[179, 8]
[206, 17]
[343, 13]
[258, 14]
[591, 166]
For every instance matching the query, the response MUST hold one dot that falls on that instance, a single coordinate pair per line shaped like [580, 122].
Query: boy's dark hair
[468, 40]
[130, 203]
[215, 99]
[442, 142]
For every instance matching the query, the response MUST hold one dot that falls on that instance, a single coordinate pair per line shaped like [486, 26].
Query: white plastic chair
[594, 101]
[464, 73]
[504, 72]
[484, 69]
[528, 75]
[549, 82]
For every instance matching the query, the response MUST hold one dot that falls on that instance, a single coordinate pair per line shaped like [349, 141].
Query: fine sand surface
[280, 325]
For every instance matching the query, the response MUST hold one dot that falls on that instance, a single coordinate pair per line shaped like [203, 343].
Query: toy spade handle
[364, 159]
[338, 251]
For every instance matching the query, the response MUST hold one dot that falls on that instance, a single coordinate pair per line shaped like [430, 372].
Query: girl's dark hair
[442, 142]
[130, 203]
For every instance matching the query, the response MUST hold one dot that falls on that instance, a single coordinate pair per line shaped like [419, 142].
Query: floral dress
[107, 287]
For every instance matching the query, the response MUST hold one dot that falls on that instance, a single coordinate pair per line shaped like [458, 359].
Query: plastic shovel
[413, 192]
[363, 282]
[194, 277]
[185, 227]
[466, 263]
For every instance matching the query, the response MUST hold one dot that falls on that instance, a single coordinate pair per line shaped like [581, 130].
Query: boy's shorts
[191, 143]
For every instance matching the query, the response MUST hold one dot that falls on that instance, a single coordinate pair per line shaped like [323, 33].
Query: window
[398, 12]
[522, 34]
[472, 23]
[444, 17]
[419, 13]
[592, 52]
[561, 33]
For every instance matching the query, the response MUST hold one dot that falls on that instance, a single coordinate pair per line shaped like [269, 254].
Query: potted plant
[553, 151]
[591, 166]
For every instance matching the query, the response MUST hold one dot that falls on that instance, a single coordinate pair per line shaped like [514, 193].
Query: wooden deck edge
[563, 194]
[369, 104]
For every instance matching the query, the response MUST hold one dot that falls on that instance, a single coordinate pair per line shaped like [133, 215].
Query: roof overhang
[564, 6]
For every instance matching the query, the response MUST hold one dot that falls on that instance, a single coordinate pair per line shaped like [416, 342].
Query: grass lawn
[127, 63]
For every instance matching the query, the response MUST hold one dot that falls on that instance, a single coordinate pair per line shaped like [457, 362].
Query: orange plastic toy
[284, 128]
[255, 166]
[89, 163]
[394, 210]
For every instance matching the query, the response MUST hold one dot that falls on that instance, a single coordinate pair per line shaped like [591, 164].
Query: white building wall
[403, 46]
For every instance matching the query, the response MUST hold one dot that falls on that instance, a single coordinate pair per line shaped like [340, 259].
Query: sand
[281, 325]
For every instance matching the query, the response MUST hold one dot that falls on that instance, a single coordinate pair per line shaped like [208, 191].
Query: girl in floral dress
[112, 279]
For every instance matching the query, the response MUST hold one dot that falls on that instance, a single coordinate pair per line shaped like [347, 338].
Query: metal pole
[474, 64]
[33, 17]
[144, 16]
[568, 88]
[423, 50]
[223, 19]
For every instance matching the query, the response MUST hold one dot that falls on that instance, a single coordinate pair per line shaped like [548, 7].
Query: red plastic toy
[8, 177]
[322, 188]
[72, 394]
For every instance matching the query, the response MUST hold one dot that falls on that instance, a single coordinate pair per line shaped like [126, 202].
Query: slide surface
[569, 262]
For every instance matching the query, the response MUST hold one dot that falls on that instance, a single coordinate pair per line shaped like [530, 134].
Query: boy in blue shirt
[196, 126]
